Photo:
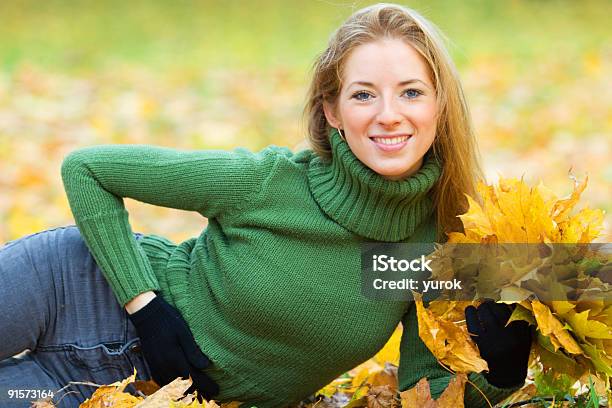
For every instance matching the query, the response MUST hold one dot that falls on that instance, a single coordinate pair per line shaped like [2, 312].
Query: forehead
[385, 61]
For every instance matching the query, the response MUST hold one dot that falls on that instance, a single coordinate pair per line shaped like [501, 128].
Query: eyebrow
[407, 82]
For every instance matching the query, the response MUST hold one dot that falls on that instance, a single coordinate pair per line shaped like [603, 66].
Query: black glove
[506, 349]
[170, 349]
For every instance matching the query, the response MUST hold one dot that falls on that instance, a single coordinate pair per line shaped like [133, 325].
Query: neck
[367, 203]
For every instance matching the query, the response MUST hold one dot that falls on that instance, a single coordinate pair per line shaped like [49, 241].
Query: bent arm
[97, 178]
[416, 362]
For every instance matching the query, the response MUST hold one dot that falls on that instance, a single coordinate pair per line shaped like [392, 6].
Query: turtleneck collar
[366, 203]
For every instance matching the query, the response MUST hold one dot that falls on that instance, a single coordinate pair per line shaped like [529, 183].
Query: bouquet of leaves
[574, 322]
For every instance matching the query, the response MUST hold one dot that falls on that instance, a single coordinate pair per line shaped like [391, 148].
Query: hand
[505, 348]
[169, 347]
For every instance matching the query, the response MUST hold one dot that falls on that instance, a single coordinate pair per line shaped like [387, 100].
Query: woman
[264, 306]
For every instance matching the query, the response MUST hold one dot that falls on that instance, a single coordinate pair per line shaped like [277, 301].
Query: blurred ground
[200, 75]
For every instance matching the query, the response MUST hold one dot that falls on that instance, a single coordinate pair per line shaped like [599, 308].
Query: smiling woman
[388, 76]
[265, 305]
[391, 123]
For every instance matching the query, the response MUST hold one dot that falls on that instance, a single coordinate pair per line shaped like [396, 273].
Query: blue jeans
[56, 303]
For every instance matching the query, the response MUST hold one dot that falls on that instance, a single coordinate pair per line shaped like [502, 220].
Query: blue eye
[360, 93]
[415, 93]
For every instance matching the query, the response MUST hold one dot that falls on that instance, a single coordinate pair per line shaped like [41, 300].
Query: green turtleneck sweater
[271, 288]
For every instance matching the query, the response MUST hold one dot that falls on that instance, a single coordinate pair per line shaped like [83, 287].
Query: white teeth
[390, 141]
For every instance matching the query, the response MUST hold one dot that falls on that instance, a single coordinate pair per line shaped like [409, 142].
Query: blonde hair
[455, 142]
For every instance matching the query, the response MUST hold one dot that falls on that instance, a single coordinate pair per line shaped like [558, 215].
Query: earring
[341, 134]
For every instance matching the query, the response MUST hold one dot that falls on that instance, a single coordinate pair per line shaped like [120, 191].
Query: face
[386, 107]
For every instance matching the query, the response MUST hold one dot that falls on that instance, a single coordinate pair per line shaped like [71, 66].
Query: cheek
[427, 114]
[426, 119]
[355, 117]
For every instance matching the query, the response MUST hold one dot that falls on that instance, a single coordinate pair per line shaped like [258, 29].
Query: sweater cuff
[117, 253]
[474, 399]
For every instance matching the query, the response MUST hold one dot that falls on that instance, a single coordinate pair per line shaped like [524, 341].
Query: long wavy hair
[455, 142]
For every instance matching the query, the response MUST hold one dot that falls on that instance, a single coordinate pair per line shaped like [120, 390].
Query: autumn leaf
[513, 212]
[381, 396]
[169, 392]
[169, 396]
[390, 351]
[379, 370]
[420, 394]
[451, 310]
[573, 337]
[561, 208]
[449, 343]
[584, 327]
[550, 326]
[386, 376]
[112, 395]
[453, 394]
[521, 313]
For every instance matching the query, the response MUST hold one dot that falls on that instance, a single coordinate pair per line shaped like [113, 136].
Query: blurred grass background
[221, 74]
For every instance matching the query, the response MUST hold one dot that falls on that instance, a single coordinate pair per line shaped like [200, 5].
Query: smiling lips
[390, 143]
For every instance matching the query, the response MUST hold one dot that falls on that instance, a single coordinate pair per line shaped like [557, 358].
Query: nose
[389, 113]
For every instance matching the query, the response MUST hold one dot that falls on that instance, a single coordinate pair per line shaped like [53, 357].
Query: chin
[392, 174]
[395, 172]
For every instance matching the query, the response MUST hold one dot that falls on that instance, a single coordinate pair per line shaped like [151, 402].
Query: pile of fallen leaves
[371, 386]
[171, 395]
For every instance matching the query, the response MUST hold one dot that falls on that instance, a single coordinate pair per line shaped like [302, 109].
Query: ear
[330, 115]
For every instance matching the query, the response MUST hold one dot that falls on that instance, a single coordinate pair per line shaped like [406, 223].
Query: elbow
[70, 164]
[74, 164]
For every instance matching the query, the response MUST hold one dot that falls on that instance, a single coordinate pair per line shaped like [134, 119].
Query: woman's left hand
[505, 348]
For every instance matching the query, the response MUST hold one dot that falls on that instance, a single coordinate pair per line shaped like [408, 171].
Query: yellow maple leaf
[112, 395]
[451, 310]
[386, 376]
[448, 342]
[585, 327]
[169, 392]
[169, 396]
[550, 326]
[581, 228]
[420, 395]
[561, 208]
[361, 376]
[390, 351]
[513, 212]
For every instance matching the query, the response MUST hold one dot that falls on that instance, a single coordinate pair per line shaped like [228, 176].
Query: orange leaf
[420, 395]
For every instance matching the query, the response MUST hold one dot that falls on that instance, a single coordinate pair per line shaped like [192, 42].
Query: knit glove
[169, 347]
[505, 348]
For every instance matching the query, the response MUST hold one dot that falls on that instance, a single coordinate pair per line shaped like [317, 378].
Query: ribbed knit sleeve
[97, 178]
[416, 362]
